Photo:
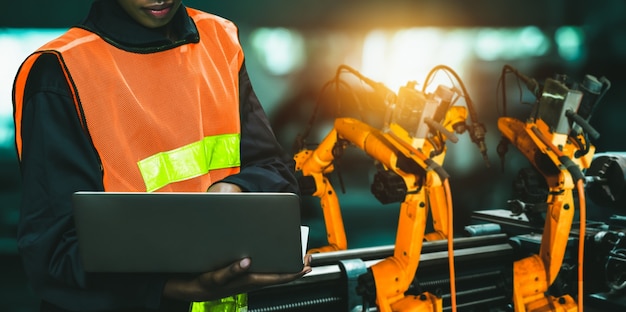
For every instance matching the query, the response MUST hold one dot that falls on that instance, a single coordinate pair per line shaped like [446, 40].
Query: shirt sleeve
[265, 166]
[57, 160]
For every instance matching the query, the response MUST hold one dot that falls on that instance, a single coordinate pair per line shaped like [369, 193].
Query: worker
[135, 81]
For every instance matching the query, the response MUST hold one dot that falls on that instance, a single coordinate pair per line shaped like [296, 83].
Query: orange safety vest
[166, 121]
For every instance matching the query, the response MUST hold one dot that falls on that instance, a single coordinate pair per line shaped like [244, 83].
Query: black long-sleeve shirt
[58, 159]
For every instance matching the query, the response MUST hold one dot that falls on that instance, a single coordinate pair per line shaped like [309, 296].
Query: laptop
[187, 232]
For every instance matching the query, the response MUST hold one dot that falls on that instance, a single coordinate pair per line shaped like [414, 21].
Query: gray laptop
[187, 232]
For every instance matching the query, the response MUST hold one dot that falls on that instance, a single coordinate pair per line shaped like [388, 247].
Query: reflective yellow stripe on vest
[192, 160]
[237, 303]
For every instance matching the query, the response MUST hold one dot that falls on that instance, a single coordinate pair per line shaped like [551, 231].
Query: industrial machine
[529, 257]
[408, 150]
[604, 244]
[484, 256]
[482, 278]
[556, 140]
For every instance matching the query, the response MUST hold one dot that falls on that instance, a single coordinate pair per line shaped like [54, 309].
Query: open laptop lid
[187, 232]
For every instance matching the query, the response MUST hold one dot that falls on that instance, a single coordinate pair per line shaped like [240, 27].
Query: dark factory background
[294, 47]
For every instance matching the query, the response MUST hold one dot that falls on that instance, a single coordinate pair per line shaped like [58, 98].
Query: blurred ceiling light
[374, 50]
[569, 41]
[510, 44]
[279, 50]
[533, 42]
[397, 57]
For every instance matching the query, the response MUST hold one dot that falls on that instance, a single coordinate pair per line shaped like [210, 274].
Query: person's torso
[166, 121]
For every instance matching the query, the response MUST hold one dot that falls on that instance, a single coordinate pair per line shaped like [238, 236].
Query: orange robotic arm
[316, 164]
[555, 141]
[394, 275]
[410, 148]
[533, 275]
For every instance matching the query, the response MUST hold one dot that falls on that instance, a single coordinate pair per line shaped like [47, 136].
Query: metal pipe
[325, 288]
[381, 252]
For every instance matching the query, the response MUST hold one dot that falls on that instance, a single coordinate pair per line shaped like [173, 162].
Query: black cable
[477, 130]
[337, 82]
[448, 70]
